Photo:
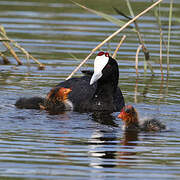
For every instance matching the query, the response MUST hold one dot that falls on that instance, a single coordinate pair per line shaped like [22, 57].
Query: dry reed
[137, 54]
[118, 46]
[113, 35]
[6, 42]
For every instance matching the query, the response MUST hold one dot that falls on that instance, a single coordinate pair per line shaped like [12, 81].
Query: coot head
[105, 69]
[129, 115]
[59, 93]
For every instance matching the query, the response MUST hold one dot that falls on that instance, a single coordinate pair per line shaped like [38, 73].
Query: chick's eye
[127, 110]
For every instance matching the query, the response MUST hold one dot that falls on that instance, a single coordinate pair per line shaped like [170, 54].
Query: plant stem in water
[169, 34]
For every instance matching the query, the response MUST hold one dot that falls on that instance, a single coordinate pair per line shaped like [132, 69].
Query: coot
[131, 120]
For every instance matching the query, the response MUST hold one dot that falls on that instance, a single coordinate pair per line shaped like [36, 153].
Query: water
[36, 145]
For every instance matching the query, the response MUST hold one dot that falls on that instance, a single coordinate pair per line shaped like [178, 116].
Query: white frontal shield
[99, 64]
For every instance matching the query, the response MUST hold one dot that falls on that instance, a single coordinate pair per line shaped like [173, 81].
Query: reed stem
[169, 34]
[118, 46]
[5, 60]
[157, 14]
[160, 55]
[137, 54]
[7, 45]
[144, 49]
[112, 35]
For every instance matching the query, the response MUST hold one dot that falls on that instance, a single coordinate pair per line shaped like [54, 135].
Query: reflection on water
[36, 145]
[104, 152]
[104, 118]
[129, 142]
[102, 149]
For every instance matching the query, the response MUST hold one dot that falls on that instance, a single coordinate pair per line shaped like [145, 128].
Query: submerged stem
[144, 49]
[169, 34]
[160, 58]
[137, 53]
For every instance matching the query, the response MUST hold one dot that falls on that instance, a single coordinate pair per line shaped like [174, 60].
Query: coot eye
[107, 54]
[100, 53]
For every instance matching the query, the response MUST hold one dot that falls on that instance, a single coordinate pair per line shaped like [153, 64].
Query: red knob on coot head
[107, 54]
[101, 53]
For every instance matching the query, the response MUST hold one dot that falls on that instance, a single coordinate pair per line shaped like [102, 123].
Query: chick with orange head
[130, 118]
[57, 100]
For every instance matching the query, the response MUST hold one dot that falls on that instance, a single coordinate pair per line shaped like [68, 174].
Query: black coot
[98, 90]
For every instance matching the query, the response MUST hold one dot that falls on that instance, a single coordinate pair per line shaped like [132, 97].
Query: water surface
[36, 145]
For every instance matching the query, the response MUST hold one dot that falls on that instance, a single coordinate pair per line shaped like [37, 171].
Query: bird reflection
[104, 148]
[101, 149]
[104, 118]
[129, 138]
[129, 142]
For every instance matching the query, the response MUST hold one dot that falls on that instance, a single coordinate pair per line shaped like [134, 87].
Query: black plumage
[29, 103]
[103, 95]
